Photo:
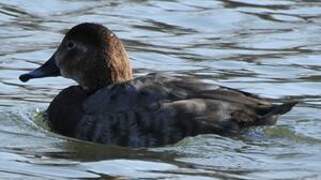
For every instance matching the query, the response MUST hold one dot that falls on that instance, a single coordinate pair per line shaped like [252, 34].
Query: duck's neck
[118, 65]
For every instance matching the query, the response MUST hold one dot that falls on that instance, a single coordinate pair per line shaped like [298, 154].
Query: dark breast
[129, 115]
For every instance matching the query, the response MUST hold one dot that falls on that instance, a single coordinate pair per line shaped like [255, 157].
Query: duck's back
[155, 110]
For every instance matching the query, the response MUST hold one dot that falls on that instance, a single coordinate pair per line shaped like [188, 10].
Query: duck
[109, 106]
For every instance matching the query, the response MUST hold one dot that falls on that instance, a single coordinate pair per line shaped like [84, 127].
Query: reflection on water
[268, 47]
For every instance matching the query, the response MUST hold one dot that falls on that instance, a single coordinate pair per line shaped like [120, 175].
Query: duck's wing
[229, 106]
[245, 108]
[186, 87]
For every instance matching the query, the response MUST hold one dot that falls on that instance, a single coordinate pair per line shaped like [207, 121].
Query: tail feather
[281, 109]
[272, 115]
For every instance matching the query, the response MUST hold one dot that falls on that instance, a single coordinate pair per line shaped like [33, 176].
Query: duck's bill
[49, 69]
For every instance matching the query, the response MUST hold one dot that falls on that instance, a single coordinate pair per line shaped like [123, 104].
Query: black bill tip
[48, 69]
[25, 77]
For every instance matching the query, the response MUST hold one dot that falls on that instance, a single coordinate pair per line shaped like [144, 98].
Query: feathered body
[155, 110]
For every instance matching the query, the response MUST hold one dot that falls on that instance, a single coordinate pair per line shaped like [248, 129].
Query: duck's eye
[70, 45]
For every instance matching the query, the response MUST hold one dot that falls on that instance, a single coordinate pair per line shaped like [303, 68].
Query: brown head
[91, 55]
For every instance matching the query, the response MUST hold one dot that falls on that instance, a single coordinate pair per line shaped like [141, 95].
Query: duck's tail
[271, 116]
[282, 109]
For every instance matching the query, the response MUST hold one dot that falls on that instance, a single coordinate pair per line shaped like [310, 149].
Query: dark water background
[267, 47]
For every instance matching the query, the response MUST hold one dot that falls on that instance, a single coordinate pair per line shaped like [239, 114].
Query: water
[267, 47]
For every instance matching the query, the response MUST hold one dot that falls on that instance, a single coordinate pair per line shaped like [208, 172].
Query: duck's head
[90, 54]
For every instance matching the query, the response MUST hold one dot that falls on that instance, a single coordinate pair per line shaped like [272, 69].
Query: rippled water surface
[267, 47]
